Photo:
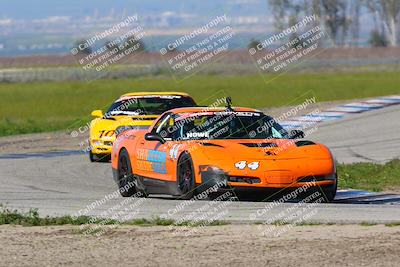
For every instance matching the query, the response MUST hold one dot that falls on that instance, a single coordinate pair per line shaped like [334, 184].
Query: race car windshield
[149, 105]
[228, 125]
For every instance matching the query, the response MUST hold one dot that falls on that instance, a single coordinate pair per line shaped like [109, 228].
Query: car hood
[273, 149]
[112, 123]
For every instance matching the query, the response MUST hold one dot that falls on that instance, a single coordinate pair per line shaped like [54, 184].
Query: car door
[152, 157]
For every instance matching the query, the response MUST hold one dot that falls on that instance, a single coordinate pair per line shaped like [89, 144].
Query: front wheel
[185, 176]
[92, 157]
[127, 187]
[329, 192]
[99, 157]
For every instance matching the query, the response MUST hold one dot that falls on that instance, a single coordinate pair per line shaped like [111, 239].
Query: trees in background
[377, 39]
[253, 43]
[285, 12]
[355, 27]
[389, 11]
[134, 42]
[341, 18]
[288, 13]
[334, 16]
[83, 47]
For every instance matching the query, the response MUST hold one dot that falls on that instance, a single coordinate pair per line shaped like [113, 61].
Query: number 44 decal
[241, 165]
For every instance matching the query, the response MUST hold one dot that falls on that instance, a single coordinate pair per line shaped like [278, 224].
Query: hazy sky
[28, 9]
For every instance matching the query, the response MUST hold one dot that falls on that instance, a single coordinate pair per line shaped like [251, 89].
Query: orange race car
[187, 150]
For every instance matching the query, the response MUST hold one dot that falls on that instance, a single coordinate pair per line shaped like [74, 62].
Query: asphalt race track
[60, 183]
[372, 136]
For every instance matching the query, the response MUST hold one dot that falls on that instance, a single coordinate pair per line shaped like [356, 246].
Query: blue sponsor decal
[159, 167]
[159, 161]
[157, 156]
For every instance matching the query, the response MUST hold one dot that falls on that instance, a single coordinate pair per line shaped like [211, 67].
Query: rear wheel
[126, 185]
[185, 176]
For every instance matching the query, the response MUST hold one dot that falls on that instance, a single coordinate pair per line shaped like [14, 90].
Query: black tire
[98, 157]
[329, 192]
[125, 175]
[92, 156]
[185, 177]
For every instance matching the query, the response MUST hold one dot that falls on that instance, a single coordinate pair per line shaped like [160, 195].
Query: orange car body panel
[281, 166]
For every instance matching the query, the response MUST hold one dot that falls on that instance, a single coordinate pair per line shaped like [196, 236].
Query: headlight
[97, 142]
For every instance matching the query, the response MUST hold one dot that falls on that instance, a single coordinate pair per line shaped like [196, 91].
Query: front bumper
[282, 186]
[211, 177]
[101, 146]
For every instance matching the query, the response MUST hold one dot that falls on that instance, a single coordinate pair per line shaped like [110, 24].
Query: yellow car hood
[104, 128]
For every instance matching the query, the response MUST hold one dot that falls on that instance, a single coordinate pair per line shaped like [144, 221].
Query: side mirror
[97, 114]
[297, 134]
[154, 137]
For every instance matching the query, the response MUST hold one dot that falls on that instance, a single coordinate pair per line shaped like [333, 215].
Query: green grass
[370, 176]
[310, 223]
[49, 106]
[368, 224]
[32, 218]
[393, 224]
[167, 222]
[152, 222]
[280, 222]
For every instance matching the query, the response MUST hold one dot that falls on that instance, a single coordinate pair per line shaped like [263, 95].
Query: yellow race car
[133, 111]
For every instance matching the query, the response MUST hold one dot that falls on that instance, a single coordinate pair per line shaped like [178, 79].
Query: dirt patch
[231, 245]
[42, 142]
